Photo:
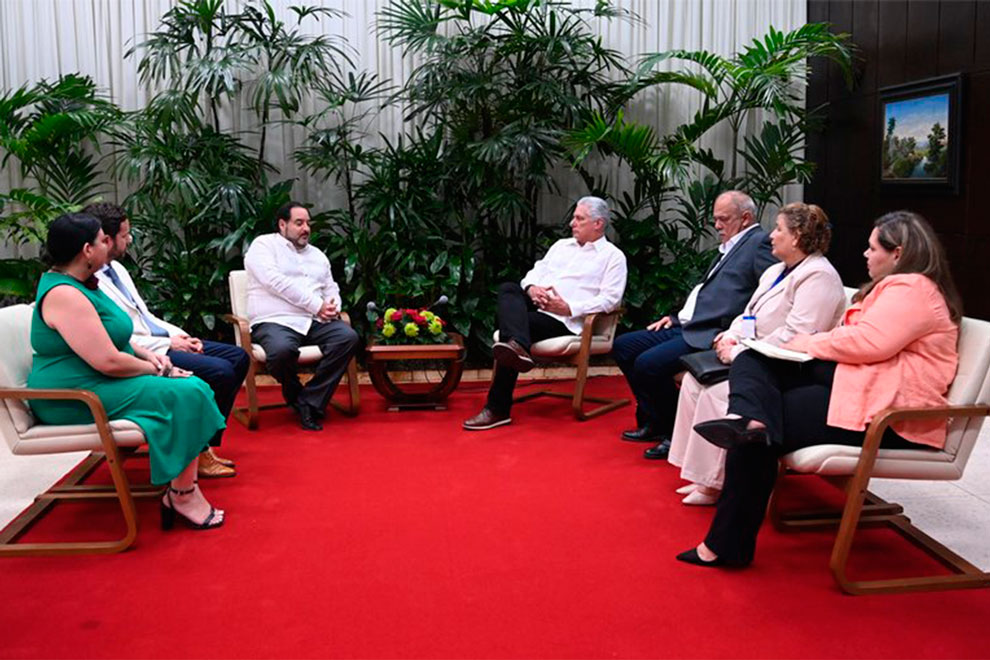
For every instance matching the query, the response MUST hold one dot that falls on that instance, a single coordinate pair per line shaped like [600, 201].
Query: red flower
[410, 312]
[396, 315]
[380, 323]
[417, 318]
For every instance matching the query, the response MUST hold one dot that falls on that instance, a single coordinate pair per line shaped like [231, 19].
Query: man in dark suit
[650, 358]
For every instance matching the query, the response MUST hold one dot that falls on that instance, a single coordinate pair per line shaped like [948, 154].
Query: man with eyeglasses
[650, 358]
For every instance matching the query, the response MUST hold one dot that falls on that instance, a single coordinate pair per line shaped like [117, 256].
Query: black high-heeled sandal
[168, 513]
[731, 432]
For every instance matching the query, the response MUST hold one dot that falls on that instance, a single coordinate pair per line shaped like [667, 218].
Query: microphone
[442, 300]
[372, 311]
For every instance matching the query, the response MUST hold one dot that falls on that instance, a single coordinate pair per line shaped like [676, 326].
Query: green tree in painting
[888, 140]
[935, 160]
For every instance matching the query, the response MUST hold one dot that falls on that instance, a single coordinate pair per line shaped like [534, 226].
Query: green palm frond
[412, 24]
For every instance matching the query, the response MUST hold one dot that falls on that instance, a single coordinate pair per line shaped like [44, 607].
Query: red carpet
[400, 535]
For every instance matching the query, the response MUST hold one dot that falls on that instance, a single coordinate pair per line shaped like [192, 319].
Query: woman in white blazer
[801, 294]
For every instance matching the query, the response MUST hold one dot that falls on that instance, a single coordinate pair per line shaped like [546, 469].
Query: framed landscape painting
[921, 135]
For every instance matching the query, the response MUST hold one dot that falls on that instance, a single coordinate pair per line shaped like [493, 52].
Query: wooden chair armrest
[589, 319]
[86, 396]
[879, 424]
[243, 328]
[589, 323]
[24, 393]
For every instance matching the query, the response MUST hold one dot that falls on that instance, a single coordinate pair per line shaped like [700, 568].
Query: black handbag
[705, 366]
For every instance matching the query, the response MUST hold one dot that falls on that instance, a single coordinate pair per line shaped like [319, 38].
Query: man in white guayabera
[580, 275]
[293, 301]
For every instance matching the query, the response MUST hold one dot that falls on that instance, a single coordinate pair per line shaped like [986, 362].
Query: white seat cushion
[307, 354]
[837, 460]
[566, 345]
[570, 345]
[45, 439]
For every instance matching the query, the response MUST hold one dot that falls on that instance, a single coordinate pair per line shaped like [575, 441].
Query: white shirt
[285, 285]
[687, 312]
[589, 278]
[136, 309]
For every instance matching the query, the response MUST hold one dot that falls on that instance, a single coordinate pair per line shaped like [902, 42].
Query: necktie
[156, 330]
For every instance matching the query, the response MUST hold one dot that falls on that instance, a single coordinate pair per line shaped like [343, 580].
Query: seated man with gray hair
[577, 276]
[649, 358]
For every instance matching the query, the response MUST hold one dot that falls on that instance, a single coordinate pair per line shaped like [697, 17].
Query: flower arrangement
[411, 326]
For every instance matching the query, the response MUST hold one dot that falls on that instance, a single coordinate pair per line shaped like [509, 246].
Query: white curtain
[46, 38]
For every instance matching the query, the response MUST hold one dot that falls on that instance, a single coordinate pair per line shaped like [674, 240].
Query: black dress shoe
[308, 419]
[728, 433]
[644, 433]
[691, 557]
[659, 452]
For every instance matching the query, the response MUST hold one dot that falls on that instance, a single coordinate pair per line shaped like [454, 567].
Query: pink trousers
[700, 461]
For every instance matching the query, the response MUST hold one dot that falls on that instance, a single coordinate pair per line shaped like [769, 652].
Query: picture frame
[920, 137]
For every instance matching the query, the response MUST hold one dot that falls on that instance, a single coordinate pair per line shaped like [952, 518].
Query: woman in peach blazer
[896, 348]
[801, 294]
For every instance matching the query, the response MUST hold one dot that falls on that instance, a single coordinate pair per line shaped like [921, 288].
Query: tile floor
[956, 513]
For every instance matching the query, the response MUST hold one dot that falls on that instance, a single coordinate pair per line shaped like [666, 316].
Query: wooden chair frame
[248, 415]
[581, 360]
[863, 508]
[71, 488]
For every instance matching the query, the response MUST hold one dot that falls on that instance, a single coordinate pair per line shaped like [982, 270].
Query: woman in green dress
[81, 340]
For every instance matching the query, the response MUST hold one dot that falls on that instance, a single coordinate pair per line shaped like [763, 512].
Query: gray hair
[597, 208]
[743, 203]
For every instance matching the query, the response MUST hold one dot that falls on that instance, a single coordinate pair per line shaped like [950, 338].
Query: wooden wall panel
[840, 15]
[921, 41]
[976, 156]
[892, 28]
[867, 37]
[982, 56]
[956, 34]
[903, 41]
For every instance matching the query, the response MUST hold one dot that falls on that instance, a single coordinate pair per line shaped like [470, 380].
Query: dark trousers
[337, 342]
[649, 361]
[791, 398]
[518, 319]
[223, 367]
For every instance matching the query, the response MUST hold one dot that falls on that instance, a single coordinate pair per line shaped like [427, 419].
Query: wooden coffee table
[435, 398]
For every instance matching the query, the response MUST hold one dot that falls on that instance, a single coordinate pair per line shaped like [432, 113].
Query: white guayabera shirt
[590, 278]
[285, 285]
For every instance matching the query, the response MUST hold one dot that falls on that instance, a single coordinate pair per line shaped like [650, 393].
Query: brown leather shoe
[485, 420]
[220, 459]
[512, 355]
[210, 468]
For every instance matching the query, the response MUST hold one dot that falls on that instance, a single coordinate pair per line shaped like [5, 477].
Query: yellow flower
[429, 316]
[411, 330]
[388, 330]
[388, 313]
[436, 327]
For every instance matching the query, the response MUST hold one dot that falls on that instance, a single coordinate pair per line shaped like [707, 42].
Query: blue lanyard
[784, 273]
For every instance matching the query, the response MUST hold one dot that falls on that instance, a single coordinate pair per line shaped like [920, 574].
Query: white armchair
[248, 415]
[110, 441]
[853, 467]
[596, 338]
